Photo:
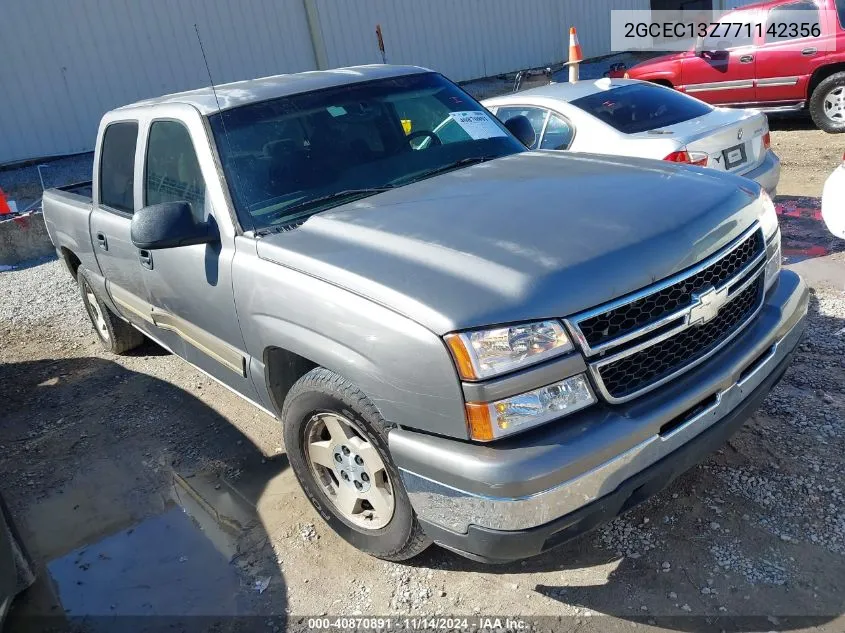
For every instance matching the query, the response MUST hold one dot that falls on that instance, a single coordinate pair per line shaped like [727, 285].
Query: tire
[831, 91]
[322, 397]
[114, 334]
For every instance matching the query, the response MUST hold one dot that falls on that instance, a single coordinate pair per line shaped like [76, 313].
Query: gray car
[465, 342]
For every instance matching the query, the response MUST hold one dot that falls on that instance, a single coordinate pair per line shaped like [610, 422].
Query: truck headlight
[484, 353]
[492, 420]
[768, 215]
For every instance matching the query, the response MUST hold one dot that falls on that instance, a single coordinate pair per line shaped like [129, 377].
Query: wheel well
[282, 369]
[71, 261]
[821, 74]
[661, 82]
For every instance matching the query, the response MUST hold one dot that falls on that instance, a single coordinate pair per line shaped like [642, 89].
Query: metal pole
[40, 177]
[573, 73]
[381, 44]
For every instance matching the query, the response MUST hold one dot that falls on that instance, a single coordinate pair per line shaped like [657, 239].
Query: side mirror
[168, 225]
[522, 129]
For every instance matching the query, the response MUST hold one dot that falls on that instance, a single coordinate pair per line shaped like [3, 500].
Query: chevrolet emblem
[706, 305]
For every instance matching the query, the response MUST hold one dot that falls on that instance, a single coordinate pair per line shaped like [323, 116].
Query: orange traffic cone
[4, 206]
[576, 56]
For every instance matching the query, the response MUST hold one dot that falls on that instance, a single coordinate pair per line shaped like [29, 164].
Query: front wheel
[827, 104]
[337, 446]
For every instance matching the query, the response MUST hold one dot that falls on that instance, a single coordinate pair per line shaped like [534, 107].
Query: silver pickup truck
[465, 342]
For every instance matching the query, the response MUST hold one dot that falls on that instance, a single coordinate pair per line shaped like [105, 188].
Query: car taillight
[690, 158]
[767, 140]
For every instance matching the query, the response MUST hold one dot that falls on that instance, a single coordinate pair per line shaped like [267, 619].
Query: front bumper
[766, 174]
[521, 496]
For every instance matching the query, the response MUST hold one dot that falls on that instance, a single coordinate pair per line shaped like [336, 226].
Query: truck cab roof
[240, 93]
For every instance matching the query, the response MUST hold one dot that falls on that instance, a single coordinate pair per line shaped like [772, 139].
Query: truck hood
[529, 236]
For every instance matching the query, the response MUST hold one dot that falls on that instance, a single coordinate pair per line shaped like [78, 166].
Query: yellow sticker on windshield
[406, 125]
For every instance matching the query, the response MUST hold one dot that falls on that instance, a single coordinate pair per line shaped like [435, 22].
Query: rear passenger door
[791, 49]
[114, 204]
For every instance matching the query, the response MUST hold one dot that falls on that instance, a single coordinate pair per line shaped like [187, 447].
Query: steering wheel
[435, 140]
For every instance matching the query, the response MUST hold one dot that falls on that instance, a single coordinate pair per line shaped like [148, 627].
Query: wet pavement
[803, 232]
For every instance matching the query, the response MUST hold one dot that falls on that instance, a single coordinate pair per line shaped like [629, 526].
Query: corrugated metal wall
[466, 39]
[62, 63]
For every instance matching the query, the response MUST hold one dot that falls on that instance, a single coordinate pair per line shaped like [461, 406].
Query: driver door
[722, 71]
[190, 287]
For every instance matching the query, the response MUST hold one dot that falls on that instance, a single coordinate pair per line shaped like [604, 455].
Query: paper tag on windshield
[477, 124]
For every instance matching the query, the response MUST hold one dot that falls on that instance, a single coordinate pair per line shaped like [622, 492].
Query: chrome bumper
[766, 174]
[456, 484]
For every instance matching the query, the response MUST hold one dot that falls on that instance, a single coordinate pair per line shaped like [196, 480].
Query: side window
[430, 113]
[558, 133]
[783, 23]
[537, 116]
[117, 166]
[172, 172]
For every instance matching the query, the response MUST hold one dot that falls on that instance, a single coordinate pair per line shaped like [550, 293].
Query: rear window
[641, 107]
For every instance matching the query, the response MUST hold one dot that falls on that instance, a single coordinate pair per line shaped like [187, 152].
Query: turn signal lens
[478, 421]
[767, 140]
[489, 421]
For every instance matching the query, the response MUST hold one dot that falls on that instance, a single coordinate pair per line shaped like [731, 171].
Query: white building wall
[63, 64]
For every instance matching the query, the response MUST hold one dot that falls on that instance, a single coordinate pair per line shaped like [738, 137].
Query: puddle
[195, 552]
[165, 565]
[804, 234]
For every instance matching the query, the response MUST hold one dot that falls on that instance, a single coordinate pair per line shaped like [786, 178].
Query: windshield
[294, 156]
[641, 107]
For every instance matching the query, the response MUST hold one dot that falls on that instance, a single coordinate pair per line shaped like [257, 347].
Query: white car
[626, 117]
[833, 201]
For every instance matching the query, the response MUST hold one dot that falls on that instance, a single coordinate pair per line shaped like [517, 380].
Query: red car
[768, 70]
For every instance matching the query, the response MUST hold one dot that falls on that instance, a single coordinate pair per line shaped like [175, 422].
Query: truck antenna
[216, 99]
[210, 80]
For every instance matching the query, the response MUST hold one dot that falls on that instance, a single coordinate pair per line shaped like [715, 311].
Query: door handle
[102, 242]
[146, 258]
[812, 50]
[746, 59]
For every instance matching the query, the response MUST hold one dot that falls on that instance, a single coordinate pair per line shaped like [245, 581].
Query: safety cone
[4, 206]
[576, 56]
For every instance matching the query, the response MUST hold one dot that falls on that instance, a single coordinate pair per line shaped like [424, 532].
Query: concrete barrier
[24, 237]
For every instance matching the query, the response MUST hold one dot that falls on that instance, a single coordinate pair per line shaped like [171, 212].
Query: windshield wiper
[295, 211]
[463, 162]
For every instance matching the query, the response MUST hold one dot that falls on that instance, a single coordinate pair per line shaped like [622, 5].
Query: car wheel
[336, 443]
[827, 104]
[114, 334]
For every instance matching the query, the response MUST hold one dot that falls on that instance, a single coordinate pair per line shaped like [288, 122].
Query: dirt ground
[144, 488]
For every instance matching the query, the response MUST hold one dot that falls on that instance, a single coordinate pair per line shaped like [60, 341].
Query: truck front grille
[641, 341]
[629, 317]
[631, 373]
